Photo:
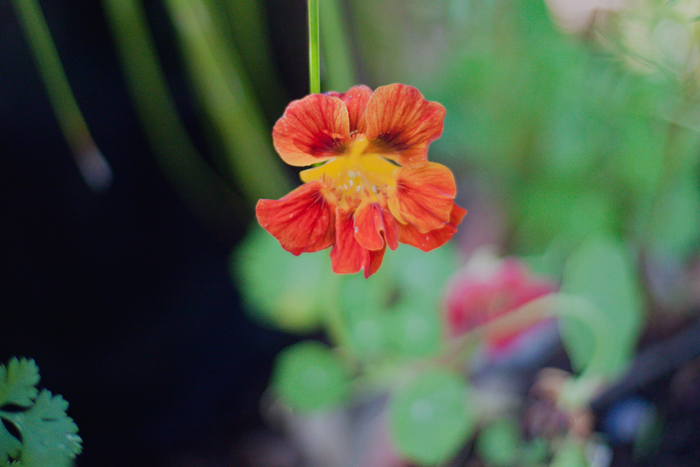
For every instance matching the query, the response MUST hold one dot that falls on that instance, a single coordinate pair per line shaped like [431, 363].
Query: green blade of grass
[92, 165]
[222, 87]
[201, 188]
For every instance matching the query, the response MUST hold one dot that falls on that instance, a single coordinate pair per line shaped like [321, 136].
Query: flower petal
[427, 241]
[347, 255]
[401, 124]
[312, 129]
[423, 196]
[303, 220]
[375, 260]
[356, 101]
[375, 227]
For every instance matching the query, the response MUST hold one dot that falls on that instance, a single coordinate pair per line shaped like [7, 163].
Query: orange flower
[375, 186]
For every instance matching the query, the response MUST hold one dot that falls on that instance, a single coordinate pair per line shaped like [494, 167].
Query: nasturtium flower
[374, 186]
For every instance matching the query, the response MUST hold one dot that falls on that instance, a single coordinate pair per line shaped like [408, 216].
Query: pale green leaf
[282, 290]
[569, 455]
[675, 220]
[308, 376]
[600, 273]
[430, 418]
[499, 442]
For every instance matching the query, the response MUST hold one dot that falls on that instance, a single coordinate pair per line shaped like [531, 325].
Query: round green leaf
[309, 376]
[601, 273]
[280, 289]
[430, 418]
[416, 332]
[499, 442]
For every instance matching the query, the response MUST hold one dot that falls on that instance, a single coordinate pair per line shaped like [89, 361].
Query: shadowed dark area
[123, 298]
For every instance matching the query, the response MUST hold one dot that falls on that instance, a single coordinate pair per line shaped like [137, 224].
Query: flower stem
[314, 55]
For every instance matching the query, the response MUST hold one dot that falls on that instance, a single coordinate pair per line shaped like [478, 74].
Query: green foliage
[602, 339]
[499, 442]
[35, 430]
[674, 225]
[282, 290]
[570, 455]
[308, 376]
[431, 417]
[395, 312]
[399, 306]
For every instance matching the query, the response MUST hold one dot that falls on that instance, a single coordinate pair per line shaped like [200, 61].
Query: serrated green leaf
[9, 445]
[17, 382]
[49, 436]
[499, 442]
[430, 417]
[600, 273]
[308, 376]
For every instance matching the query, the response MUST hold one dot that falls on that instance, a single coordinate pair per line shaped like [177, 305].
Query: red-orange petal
[347, 255]
[303, 220]
[423, 196]
[427, 241]
[374, 226]
[401, 123]
[312, 129]
[375, 260]
[355, 99]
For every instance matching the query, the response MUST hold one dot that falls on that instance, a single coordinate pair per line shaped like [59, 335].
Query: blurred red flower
[486, 290]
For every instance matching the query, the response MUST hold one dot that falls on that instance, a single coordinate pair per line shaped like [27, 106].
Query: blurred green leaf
[289, 292]
[536, 451]
[499, 442]
[674, 225]
[308, 376]
[398, 307]
[430, 417]
[601, 273]
[569, 455]
[640, 155]
[416, 332]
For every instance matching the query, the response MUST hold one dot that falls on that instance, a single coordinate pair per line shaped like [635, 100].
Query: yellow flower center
[355, 174]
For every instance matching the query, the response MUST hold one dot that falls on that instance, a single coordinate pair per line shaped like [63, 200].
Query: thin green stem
[314, 54]
[94, 168]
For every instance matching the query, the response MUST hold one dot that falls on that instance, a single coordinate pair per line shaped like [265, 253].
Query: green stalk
[245, 22]
[92, 165]
[314, 58]
[222, 87]
[202, 189]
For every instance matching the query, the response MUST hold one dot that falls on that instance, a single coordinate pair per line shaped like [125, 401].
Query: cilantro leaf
[18, 382]
[34, 428]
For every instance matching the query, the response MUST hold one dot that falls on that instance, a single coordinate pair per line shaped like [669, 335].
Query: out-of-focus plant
[593, 168]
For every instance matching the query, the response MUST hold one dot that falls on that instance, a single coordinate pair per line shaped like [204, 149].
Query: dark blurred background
[123, 298]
